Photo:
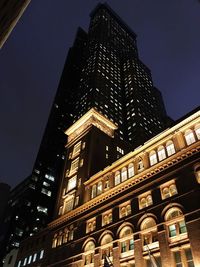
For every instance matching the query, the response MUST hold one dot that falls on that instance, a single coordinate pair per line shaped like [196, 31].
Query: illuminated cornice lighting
[92, 117]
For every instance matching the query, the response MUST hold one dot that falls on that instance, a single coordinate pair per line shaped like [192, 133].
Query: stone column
[193, 228]
[138, 252]
[179, 141]
[165, 252]
[97, 260]
[116, 256]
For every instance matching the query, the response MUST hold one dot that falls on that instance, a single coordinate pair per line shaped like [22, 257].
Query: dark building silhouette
[10, 13]
[4, 196]
[102, 72]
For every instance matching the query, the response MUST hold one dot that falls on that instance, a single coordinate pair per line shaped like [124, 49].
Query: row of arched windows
[155, 156]
[175, 226]
[63, 236]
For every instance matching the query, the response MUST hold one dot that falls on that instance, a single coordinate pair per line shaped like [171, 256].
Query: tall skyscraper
[102, 73]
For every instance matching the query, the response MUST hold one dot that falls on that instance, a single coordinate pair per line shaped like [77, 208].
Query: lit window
[46, 184]
[94, 191]
[170, 148]
[124, 174]
[99, 188]
[91, 225]
[117, 178]
[197, 131]
[46, 192]
[29, 259]
[106, 217]
[149, 231]
[89, 252]
[76, 149]
[145, 200]
[42, 209]
[25, 261]
[153, 158]
[161, 153]
[124, 209]
[19, 264]
[74, 165]
[69, 204]
[175, 222]
[41, 254]
[107, 246]
[72, 183]
[168, 190]
[189, 137]
[130, 170]
[34, 257]
[49, 177]
[197, 173]
[126, 235]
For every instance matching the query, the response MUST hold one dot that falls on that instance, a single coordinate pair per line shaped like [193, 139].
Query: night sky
[32, 59]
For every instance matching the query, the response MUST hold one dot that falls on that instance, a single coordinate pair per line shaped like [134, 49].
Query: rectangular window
[34, 257]
[74, 165]
[72, 183]
[106, 217]
[182, 227]
[42, 209]
[172, 230]
[69, 204]
[189, 257]
[46, 192]
[29, 259]
[41, 254]
[177, 258]
[49, 177]
[76, 149]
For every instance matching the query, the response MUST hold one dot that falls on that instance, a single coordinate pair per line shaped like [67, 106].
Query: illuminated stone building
[143, 210]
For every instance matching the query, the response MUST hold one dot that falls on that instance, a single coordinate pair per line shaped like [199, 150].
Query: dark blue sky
[32, 59]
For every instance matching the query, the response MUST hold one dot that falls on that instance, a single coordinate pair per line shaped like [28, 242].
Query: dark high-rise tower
[102, 71]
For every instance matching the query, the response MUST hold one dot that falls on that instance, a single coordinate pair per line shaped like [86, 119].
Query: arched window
[54, 243]
[59, 242]
[94, 191]
[175, 222]
[189, 137]
[197, 173]
[99, 188]
[149, 231]
[89, 252]
[106, 244]
[153, 158]
[145, 200]
[106, 239]
[124, 174]
[117, 178]
[168, 189]
[170, 148]
[65, 235]
[161, 153]
[197, 130]
[147, 223]
[130, 170]
[126, 236]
